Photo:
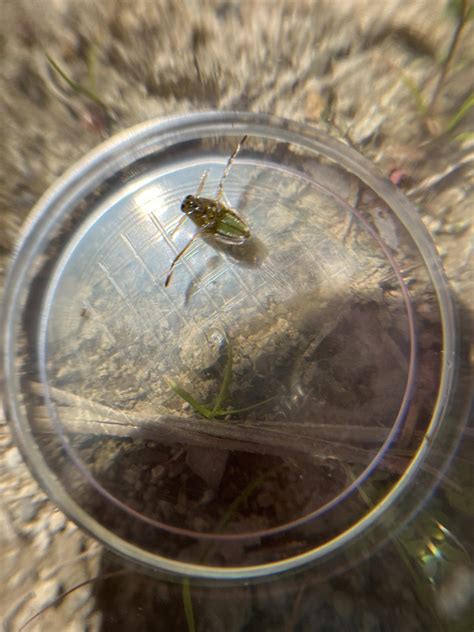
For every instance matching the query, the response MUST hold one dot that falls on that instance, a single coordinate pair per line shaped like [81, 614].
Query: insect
[212, 216]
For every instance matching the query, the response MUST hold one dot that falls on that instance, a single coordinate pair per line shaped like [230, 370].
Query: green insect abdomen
[231, 228]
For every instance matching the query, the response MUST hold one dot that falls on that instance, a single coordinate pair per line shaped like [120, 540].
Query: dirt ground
[362, 70]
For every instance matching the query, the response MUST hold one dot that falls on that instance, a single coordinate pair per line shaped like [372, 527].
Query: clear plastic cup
[330, 330]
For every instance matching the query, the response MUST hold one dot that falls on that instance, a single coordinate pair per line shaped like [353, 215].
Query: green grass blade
[234, 411]
[75, 86]
[230, 511]
[241, 498]
[464, 136]
[461, 113]
[197, 406]
[91, 66]
[188, 605]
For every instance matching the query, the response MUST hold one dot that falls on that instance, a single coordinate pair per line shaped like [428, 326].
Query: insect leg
[181, 252]
[233, 156]
[178, 226]
[201, 183]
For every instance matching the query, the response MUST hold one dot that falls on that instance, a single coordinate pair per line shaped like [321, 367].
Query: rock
[209, 464]
[41, 541]
[12, 458]
[57, 522]
[28, 509]
[7, 531]
[45, 593]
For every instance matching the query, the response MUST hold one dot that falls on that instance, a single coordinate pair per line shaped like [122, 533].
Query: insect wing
[231, 228]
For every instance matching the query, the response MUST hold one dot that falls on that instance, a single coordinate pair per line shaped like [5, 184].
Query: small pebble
[45, 593]
[41, 542]
[28, 509]
[12, 458]
[7, 531]
[57, 522]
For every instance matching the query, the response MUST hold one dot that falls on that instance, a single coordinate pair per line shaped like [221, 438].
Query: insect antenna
[201, 183]
[233, 156]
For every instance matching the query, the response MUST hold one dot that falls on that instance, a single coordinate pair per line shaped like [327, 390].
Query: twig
[323, 442]
[350, 443]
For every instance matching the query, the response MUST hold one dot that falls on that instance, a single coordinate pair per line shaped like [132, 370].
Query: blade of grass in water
[198, 407]
[188, 605]
[222, 396]
[234, 411]
[241, 498]
[216, 411]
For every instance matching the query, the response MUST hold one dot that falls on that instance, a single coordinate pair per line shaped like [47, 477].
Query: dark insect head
[190, 205]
